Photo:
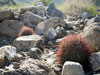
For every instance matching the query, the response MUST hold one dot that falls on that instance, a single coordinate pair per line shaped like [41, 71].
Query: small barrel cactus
[74, 48]
[26, 31]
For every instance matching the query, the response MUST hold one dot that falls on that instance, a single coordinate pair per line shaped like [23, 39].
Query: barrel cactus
[26, 31]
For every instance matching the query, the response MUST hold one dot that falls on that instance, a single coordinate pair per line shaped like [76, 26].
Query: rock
[18, 57]
[27, 42]
[95, 60]
[29, 67]
[5, 40]
[29, 17]
[2, 58]
[35, 53]
[58, 40]
[51, 33]
[23, 10]
[52, 11]
[81, 27]
[43, 27]
[16, 65]
[75, 28]
[1, 70]
[92, 33]
[49, 57]
[95, 19]
[6, 14]
[85, 15]
[72, 68]
[68, 32]
[39, 4]
[11, 27]
[60, 31]
[39, 10]
[10, 51]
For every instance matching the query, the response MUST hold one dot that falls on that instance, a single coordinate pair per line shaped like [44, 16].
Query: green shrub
[93, 10]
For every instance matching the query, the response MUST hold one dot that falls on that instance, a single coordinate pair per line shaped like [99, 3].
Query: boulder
[30, 17]
[6, 14]
[94, 19]
[51, 33]
[10, 51]
[35, 53]
[85, 15]
[95, 60]
[72, 68]
[25, 43]
[23, 10]
[3, 60]
[11, 27]
[29, 67]
[43, 27]
[92, 33]
[39, 10]
[52, 11]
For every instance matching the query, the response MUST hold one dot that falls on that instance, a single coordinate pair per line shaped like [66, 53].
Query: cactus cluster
[26, 31]
[74, 48]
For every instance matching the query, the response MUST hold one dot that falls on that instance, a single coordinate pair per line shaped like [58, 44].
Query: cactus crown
[74, 48]
[26, 31]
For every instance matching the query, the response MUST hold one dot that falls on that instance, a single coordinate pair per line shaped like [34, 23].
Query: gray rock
[27, 42]
[43, 27]
[16, 65]
[29, 67]
[92, 33]
[6, 14]
[2, 58]
[72, 68]
[29, 17]
[11, 27]
[68, 32]
[23, 10]
[51, 33]
[60, 31]
[95, 19]
[75, 28]
[18, 57]
[53, 12]
[85, 15]
[39, 4]
[39, 10]
[35, 53]
[10, 51]
[95, 61]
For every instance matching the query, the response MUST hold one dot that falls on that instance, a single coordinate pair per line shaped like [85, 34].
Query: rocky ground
[36, 54]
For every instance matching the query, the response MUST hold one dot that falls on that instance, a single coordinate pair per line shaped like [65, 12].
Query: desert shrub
[76, 7]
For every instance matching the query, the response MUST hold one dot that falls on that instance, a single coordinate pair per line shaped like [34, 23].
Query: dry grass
[15, 6]
[76, 7]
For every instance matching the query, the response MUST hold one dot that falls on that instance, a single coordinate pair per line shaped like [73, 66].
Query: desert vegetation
[76, 7]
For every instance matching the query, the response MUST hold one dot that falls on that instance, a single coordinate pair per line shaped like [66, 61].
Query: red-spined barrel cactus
[26, 31]
[74, 48]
